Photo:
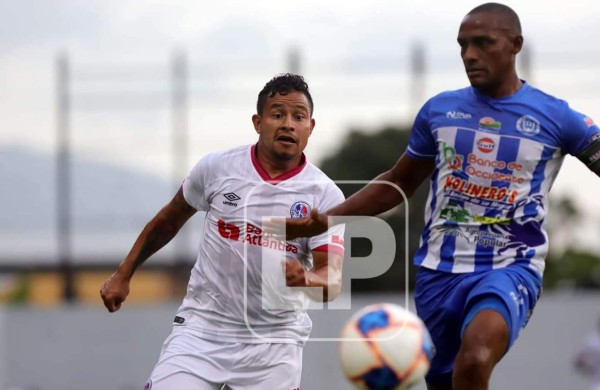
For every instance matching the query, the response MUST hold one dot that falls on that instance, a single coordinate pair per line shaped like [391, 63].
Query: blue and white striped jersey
[496, 160]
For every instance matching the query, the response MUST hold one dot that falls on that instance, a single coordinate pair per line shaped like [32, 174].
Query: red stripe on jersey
[337, 239]
[331, 249]
[284, 176]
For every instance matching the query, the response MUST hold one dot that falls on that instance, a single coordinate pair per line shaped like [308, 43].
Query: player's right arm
[379, 196]
[156, 234]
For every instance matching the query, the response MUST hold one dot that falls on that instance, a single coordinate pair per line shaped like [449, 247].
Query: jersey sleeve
[578, 132]
[195, 185]
[333, 239]
[421, 144]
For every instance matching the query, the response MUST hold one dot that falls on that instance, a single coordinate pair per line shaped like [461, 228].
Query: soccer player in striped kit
[493, 151]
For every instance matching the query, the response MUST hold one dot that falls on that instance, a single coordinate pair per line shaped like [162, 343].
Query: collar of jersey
[515, 95]
[262, 172]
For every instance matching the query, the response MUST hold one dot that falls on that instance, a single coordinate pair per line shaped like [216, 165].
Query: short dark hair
[512, 19]
[283, 84]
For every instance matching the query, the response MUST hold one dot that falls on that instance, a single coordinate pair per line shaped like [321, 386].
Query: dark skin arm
[157, 233]
[373, 199]
[376, 198]
[326, 274]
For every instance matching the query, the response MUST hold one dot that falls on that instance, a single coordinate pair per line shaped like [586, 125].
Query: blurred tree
[21, 294]
[567, 265]
[574, 269]
[563, 222]
[363, 156]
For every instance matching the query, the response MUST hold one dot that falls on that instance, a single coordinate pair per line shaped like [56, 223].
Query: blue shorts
[447, 303]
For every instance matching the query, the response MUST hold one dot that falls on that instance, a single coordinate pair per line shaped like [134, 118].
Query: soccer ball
[385, 346]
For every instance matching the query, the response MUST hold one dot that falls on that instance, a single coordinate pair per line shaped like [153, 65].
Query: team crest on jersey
[528, 125]
[300, 210]
[148, 385]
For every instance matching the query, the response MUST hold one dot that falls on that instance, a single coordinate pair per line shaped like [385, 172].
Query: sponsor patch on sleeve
[588, 121]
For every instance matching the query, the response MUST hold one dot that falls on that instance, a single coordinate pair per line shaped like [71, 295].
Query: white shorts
[189, 362]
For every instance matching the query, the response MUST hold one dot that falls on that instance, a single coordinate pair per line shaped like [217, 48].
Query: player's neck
[504, 89]
[275, 166]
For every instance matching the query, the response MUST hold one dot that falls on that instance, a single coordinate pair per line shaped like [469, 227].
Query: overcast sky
[354, 55]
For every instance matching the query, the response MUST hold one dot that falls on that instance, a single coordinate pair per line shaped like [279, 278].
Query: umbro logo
[231, 198]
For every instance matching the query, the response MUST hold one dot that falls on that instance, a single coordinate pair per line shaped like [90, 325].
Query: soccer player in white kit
[243, 321]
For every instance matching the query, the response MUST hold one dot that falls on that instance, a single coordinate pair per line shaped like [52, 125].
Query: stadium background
[94, 140]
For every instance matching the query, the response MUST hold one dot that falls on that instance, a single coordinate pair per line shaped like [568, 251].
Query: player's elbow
[332, 293]
[334, 288]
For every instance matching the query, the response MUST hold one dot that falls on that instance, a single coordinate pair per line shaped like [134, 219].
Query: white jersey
[237, 288]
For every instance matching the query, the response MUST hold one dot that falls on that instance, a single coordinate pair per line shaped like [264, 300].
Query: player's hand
[297, 227]
[295, 274]
[114, 291]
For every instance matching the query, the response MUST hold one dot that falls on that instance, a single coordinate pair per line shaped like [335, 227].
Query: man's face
[284, 125]
[488, 49]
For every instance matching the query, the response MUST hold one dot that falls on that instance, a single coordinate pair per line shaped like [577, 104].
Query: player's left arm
[581, 137]
[590, 156]
[326, 275]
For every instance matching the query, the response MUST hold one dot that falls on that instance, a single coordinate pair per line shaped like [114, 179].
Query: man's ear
[312, 125]
[517, 43]
[256, 122]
